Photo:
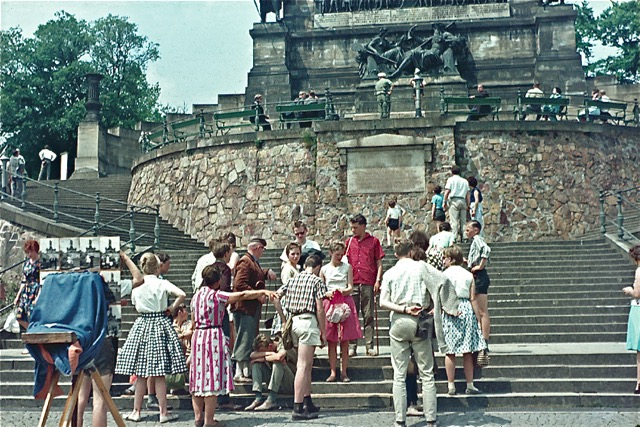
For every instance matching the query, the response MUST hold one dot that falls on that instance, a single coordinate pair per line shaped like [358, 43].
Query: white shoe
[452, 391]
[472, 390]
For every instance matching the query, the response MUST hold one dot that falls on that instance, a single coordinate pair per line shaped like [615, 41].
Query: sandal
[346, 379]
[331, 379]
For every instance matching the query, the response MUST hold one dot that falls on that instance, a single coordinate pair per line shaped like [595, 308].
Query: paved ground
[513, 418]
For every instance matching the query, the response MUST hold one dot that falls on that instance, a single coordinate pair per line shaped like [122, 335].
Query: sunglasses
[300, 234]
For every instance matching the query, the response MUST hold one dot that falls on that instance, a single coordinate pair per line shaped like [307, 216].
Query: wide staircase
[558, 332]
[77, 207]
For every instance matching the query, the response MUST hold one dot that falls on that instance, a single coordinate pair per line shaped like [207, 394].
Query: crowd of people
[437, 300]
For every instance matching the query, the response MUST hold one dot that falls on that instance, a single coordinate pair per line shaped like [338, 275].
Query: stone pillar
[91, 135]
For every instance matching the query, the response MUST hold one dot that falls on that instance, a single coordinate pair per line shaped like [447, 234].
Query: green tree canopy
[42, 81]
[617, 26]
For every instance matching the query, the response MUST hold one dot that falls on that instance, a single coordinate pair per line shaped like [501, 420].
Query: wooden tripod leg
[107, 398]
[47, 403]
[70, 404]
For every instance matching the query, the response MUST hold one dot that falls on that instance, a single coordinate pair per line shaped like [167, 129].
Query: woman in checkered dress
[210, 373]
[462, 333]
[152, 348]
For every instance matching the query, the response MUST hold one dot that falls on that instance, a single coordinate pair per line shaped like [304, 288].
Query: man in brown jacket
[246, 314]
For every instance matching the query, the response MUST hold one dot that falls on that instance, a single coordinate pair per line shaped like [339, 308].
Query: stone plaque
[412, 15]
[386, 170]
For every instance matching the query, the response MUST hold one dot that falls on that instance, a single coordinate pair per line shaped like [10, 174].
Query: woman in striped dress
[210, 374]
[152, 348]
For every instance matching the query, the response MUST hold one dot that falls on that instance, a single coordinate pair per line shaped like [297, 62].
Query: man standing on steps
[246, 314]
[46, 157]
[305, 292]
[307, 246]
[407, 288]
[456, 200]
[364, 253]
[383, 88]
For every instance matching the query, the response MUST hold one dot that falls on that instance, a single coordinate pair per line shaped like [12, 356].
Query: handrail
[620, 201]
[13, 266]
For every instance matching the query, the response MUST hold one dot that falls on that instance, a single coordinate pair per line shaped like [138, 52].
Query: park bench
[151, 141]
[234, 119]
[523, 106]
[468, 103]
[617, 111]
[188, 128]
[300, 113]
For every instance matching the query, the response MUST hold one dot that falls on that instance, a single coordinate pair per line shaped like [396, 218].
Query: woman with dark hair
[475, 203]
[30, 285]
[633, 327]
[210, 374]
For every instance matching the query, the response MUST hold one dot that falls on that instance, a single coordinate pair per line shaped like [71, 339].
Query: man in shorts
[305, 292]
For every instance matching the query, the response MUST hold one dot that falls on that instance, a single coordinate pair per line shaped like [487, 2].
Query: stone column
[91, 135]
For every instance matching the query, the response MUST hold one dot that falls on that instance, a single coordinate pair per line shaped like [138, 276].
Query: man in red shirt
[365, 254]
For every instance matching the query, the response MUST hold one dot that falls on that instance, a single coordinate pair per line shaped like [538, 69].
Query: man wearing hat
[383, 95]
[260, 115]
[246, 314]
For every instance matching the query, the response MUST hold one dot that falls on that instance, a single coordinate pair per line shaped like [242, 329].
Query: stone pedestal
[92, 146]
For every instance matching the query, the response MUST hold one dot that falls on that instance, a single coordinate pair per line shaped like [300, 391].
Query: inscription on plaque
[412, 15]
[382, 170]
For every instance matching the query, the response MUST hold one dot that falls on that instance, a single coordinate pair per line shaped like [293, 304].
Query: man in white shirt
[408, 288]
[46, 157]
[307, 246]
[205, 260]
[456, 200]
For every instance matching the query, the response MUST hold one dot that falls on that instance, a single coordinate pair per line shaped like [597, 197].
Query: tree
[42, 81]
[618, 26]
[122, 55]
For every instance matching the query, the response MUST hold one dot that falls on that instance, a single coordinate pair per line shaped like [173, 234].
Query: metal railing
[96, 225]
[623, 202]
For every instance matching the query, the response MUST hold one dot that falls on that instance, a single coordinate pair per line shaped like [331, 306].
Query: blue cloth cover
[68, 302]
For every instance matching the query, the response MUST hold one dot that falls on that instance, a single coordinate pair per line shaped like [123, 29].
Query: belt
[456, 197]
[381, 93]
[210, 327]
[635, 302]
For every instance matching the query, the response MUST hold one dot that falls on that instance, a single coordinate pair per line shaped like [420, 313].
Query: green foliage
[42, 81]
[618, 26]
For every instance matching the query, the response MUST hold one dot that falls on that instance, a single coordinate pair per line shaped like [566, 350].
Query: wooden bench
[522, 108]
[617, 111]
[227, 121]
[493, 102]
[301, 113]
[181, 130]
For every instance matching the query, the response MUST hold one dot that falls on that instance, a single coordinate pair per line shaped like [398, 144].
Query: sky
[205, 45]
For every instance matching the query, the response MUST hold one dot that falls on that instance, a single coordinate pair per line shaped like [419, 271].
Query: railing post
[96, 216]
[23, 195]
[620, 217]
[201, 131]
[56, 203]
[132, 232]
[442, 108]
[603, 217]
[156, 230]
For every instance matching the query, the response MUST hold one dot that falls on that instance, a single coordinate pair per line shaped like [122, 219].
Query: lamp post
[418, 84]
[5, 176]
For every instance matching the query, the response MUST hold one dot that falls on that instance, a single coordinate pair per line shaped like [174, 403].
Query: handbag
[287, 339]
[344, 258]
[11, 324]
[338, 310]
[426, 325]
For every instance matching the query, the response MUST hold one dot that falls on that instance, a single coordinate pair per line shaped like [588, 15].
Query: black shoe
[637, 390]
[309, 407]
[300, 413]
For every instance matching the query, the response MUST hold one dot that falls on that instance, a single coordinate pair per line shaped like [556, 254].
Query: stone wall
[12, 239]
[540, 180]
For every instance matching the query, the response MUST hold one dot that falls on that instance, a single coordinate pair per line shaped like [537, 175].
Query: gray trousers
[279, 375]
[364, 300]
[458, 217]
[402, 333]
[246, 329]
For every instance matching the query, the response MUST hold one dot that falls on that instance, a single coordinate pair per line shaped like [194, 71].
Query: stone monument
[341, 45]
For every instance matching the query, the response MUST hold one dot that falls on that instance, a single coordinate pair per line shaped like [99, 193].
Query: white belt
[635, 302]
